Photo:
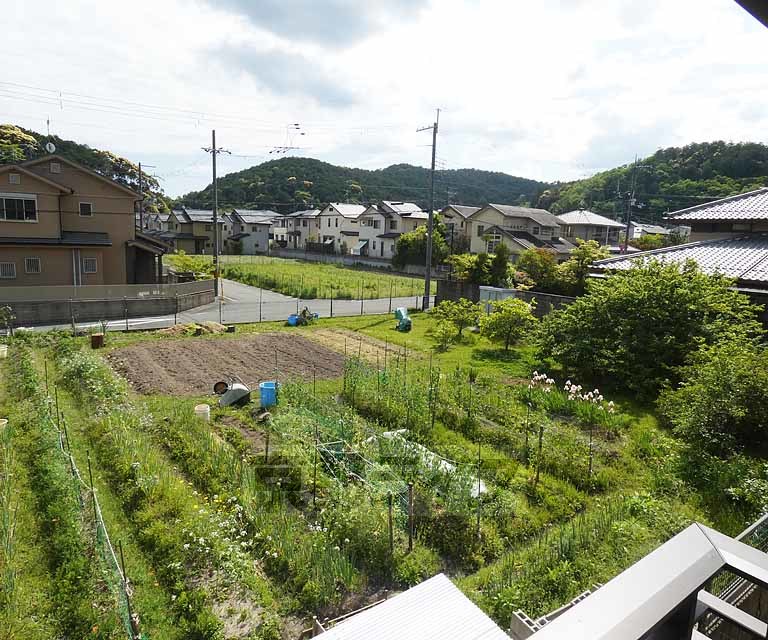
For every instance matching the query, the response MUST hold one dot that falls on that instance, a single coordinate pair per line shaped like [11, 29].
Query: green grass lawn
[311, 280]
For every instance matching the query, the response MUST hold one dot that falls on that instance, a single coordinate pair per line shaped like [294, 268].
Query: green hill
[668, 180]
[18, 144]
[290, 183]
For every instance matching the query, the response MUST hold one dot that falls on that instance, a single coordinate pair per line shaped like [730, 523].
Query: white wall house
[383, 223]
[338, 222]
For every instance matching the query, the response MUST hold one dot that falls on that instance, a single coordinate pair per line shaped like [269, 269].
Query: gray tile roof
[255, 216]
[432, 610]
[544, 218]
[463, 211]
[745, 206]
[348, 210]
[401, 208]
[744, 258]
[588, 219]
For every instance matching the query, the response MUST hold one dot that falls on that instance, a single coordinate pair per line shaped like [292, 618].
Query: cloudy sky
[545, 89]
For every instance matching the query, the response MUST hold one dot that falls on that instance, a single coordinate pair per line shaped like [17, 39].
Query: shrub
[509, 321]
[635, 328]
[722, 404]
[416, 566]
[443, 334]
[462, 313]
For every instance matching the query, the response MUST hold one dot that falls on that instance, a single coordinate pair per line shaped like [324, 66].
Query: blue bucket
[293, 320]
[268, 393]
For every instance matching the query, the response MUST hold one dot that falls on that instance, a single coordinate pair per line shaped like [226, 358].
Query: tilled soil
[191, 367]
[355, 343]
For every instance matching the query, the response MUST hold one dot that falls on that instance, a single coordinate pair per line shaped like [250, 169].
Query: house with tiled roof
[729, 237]
[587, 225]
[251, 230]
[519, 228]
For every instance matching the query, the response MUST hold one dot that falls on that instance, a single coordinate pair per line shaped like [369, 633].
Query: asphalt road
[240, 303]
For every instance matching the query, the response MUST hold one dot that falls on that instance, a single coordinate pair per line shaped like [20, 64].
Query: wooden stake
[410, 516]
[391, 529]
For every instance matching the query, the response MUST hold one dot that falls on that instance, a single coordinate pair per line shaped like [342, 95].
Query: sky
[544, 89]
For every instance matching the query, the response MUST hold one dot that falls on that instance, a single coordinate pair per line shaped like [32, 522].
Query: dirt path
[354, 343]
[190, 367]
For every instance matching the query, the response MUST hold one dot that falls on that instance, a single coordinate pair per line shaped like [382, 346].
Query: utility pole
[431, 214]
[141, 201]
[214, 151]
[630, 197]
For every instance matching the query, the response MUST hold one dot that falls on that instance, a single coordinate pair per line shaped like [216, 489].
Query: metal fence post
[331, 301]
[176, 311]
[261, 291]
[125, 305]
[390, 296]
[221, 312]
[410, 516]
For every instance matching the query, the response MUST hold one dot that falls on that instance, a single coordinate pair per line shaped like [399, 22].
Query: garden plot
[354, 343]
[190, 367]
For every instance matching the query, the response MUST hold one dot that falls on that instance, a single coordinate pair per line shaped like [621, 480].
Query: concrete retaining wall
[44, 312]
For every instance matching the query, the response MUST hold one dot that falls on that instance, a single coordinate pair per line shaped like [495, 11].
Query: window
[14, 178]
[86, 209]
[254, 228]
[337, 222]
[480, 230]
[208, 227]
[536, 231]
[89, 265]
[494, 240]
[55, 167]
[303, 223]
[32, 265]
[376, 224]
[18, 208]
[225, 227]
[329, 222]
[7, 270]
[374, 245]
[393, 225]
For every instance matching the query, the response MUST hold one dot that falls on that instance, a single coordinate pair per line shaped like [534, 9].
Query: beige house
[63, 224]
[338, 223]
[519, 228]
[383, 223]
[458, 223]
[191, 231]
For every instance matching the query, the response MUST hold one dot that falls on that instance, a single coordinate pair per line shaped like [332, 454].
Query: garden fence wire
[89, 504]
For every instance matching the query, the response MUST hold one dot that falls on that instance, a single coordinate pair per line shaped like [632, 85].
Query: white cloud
[547, 90]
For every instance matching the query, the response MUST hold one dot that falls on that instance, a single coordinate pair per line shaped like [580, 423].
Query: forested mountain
[668, 180]
[290, 183]
[18, 144]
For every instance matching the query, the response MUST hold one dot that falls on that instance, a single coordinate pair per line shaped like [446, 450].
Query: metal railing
[102, 291]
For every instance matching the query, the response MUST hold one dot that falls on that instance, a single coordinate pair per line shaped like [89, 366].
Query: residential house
[251, 229]
[587, 225]
[519, 228]
[458, 225]
[639, 229]
[63, 224]
[338, 222]
[729, 236]
[304, 227]
[383, 223]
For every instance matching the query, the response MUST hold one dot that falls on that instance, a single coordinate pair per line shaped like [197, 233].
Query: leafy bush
[462, 313]
[633, 329]
[510, 320]
[443, 334]
[416, 566]
[722, 404]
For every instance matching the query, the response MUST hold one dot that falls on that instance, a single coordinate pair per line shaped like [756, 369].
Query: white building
[252, 230]
[383, 223]
[338, 222]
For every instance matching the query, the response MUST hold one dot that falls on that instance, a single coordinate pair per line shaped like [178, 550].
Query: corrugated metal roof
[745, 206]
[544, 218]
[588, 219]
[432, 610]
[744, 257]
[652, 229]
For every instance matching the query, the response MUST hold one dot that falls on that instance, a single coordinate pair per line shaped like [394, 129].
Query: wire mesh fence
[113, 570]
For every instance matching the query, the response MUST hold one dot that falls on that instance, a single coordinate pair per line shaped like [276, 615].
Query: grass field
[311, 280]
[242, 529]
